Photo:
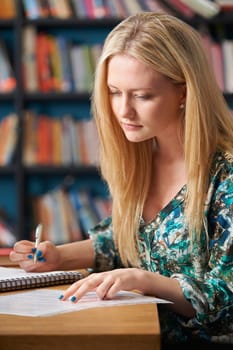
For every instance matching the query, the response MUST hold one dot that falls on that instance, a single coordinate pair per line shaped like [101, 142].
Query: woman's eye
[143, 97]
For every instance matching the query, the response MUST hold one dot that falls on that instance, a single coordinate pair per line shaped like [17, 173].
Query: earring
[181, 106]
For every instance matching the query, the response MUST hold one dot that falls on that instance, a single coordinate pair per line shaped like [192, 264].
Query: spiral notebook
[16, 279]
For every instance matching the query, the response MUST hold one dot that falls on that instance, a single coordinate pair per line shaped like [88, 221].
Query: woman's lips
[130, 127]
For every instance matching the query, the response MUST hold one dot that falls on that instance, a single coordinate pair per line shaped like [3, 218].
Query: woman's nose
[126, 108]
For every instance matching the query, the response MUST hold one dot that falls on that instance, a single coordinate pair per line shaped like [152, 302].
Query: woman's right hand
[48, 256]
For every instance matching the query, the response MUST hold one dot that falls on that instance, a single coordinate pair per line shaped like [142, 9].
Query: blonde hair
[174, 49]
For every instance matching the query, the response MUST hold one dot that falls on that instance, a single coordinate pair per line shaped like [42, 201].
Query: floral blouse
[204, 270]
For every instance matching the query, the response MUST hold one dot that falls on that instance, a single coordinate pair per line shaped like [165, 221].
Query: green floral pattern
[203, 269]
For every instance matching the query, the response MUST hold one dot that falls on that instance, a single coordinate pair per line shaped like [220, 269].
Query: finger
[23, 246]
[17, 257]
[77, 290]
[103, 289]
[113, 290]
[72, 289]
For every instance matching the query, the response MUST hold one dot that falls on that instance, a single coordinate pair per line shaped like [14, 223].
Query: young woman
[166, 146]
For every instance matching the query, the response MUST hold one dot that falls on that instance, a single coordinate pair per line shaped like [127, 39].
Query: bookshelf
[20, 182]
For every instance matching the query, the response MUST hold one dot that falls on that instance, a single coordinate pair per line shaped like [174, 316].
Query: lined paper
[45, 302]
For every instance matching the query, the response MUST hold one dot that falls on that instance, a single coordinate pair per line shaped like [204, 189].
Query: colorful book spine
[31, 9]
[7, 78]
[8, 9]
[205, 8]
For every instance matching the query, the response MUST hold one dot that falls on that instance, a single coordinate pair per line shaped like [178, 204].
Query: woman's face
[145, 103]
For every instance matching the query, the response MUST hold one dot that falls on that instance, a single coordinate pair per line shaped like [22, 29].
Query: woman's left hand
[106, 284]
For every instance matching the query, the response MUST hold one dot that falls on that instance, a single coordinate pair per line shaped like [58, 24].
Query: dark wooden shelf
[8, 96]
[7, 23]
[8, 169]
[72, 22]
[61, 170]
[56, 96]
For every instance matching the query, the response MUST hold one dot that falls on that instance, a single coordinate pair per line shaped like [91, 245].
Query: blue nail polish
[73, 298]
[33, 250]
[41, 259]
[38, 253]
[61, 296]
[30, 256]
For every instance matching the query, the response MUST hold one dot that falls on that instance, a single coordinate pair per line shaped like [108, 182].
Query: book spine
[31, 9]
[205, 8]
[79, 8]
[227, 49]
[7, 79]
[29, 59]
[8, 9]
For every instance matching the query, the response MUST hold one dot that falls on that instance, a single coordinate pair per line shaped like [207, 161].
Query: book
[204, 8]
[153, 5]
[56, 136]
[8, 9]
[8, 138]
[133, 7]
[12, 279]
[31, 9]
[100, 10]
[227, 51]
[44, 140]
[29, 65]
[7, 77]
[44, 8]
[180, 7]
[225, 5]
[217, 63]
[30, 126]
[43, 60]
[60, 9]
[79, 8]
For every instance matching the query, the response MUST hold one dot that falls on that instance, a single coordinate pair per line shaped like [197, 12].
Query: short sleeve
[106, 255]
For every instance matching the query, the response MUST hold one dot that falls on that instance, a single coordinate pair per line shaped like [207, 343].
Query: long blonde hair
[174, 49]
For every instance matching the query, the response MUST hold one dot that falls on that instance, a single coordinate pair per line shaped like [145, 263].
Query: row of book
[88, 9]
[54, 63]
[66, 215]
[94, 9]
[220, 56]
[47, 140]
[59, 141]
[71, 67]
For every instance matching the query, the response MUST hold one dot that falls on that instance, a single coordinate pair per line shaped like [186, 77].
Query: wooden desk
[128, 327]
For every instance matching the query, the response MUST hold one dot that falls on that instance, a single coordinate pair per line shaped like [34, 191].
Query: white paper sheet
[45, 302]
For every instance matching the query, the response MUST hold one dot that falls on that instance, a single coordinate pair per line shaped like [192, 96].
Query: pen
[37, 239]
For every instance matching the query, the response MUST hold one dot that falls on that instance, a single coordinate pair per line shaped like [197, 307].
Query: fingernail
[73, 298]
[30, 256]
[38, 253]
[33, 250]
[61, 296]
[41, 259]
